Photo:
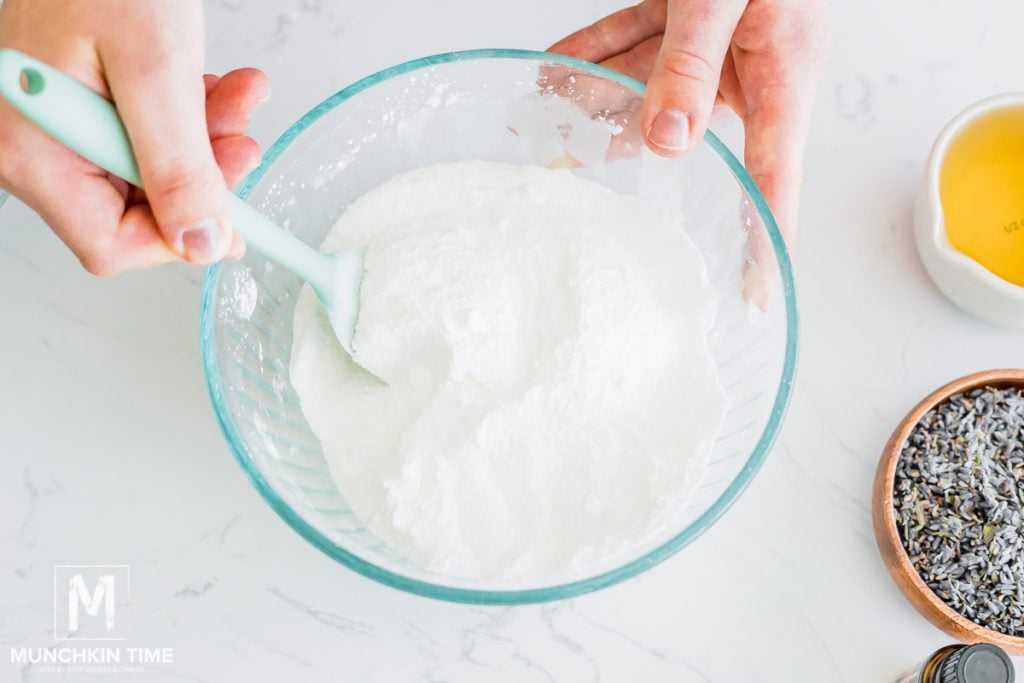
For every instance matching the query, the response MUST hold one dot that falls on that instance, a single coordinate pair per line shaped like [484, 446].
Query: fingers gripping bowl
[487, 105]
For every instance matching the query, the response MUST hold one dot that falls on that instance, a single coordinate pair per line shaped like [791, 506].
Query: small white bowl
[966, 282]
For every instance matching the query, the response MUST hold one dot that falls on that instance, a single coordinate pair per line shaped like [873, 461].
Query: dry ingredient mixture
[958, 505]
[548, 397]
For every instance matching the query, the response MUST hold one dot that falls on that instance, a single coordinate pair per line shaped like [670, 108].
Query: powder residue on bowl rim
[548, 398]
[239, 292]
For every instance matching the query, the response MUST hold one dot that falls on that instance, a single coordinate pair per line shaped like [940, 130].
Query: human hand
[187, 132]
[762, 58]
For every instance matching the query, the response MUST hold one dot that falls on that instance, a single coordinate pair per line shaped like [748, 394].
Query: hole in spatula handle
[31, 81]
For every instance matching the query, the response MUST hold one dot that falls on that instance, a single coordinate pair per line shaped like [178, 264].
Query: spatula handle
[85, 122]
[69, 112]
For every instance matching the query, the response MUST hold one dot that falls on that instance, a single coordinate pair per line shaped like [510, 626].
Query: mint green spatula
[88, 124]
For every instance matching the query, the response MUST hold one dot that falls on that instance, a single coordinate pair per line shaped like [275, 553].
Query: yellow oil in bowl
[981, 186]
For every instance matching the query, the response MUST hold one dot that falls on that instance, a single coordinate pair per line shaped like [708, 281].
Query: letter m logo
[80, 597]
[89, 601]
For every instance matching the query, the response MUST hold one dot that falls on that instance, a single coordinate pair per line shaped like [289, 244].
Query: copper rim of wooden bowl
[887, 535]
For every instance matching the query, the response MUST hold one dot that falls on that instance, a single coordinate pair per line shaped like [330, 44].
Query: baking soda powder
[548, 398]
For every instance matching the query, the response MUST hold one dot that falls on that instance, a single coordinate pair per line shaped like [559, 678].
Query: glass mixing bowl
[518, 107]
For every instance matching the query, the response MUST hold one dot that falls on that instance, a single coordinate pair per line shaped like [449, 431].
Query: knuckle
[99, 263]
[161, 58]
[651, 14]
[249, 146]
[682, 63]
[633, 62]
[176, 177]
[8, 163]
[15, 157]
[8, 168]
[155, 63]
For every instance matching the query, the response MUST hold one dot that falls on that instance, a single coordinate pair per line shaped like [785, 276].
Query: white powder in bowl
[550, 400]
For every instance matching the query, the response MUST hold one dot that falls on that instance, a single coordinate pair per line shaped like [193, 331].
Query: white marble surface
[109, 452]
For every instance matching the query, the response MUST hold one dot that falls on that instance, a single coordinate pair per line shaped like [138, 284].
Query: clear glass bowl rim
[207, 320]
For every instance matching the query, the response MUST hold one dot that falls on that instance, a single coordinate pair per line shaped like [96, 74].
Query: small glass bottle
[963, 664]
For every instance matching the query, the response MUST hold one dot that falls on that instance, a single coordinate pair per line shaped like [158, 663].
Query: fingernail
[202, 244]
[265, 95]
[670, 130]
[755, 290]
[751, 274]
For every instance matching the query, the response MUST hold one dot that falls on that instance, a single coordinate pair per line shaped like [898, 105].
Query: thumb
[156, 79]
[682, 88]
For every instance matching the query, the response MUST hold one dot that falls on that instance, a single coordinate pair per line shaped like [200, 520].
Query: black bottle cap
[977, 664]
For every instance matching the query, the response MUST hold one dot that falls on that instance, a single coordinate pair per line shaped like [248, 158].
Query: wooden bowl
[887, 536]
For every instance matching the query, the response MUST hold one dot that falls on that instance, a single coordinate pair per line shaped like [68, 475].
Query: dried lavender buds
[958, 505]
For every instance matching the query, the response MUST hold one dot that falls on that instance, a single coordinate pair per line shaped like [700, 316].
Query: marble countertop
[111, 453]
